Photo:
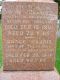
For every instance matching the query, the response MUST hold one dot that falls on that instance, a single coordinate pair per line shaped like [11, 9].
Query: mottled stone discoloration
[29, 75]
[29, 35]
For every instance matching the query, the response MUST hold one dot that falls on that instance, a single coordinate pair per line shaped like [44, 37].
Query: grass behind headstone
[58, 55]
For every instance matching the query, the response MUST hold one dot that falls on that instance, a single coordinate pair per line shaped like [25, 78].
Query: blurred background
[57, 65]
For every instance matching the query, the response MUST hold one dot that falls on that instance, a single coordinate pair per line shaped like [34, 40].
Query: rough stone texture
[29, 75]
[31, 0]
[29, 35]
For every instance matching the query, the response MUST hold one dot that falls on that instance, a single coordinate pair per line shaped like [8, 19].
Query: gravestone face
[29, 35]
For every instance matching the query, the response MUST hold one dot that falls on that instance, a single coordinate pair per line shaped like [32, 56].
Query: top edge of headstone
[44, 1]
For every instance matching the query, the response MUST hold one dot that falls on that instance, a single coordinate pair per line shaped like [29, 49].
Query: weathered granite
[29, 75]
[29, 35]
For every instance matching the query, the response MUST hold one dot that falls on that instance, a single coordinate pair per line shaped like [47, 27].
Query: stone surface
[29, 75]
[32, 0]
[29, 35]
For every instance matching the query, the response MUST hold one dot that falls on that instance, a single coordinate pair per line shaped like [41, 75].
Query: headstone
[29, 35]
